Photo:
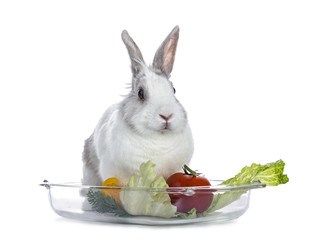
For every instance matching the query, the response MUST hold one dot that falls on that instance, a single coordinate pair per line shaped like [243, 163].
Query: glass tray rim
[214, 188]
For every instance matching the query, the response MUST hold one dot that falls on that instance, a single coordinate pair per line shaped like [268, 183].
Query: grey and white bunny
[148, 124]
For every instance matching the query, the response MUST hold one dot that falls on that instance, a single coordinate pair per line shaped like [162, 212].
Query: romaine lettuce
[147, 201]
[270, 174]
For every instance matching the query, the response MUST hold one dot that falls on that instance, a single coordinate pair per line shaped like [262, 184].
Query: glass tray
[70, 200]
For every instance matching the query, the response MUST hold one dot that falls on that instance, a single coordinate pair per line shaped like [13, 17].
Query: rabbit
[148, 124]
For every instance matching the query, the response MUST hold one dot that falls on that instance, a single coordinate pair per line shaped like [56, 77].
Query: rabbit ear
[164, 58]
[134, 53]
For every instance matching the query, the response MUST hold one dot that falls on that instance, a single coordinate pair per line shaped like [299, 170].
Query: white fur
[121, 150]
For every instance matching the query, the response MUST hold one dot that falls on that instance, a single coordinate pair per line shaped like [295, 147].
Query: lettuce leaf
[145, 202]
[222, 200]
[189, 215]
[270, 174]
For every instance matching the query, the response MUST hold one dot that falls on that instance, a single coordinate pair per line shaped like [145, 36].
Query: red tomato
[200, 200]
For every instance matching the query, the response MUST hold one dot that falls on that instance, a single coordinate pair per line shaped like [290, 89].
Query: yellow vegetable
[111, 182]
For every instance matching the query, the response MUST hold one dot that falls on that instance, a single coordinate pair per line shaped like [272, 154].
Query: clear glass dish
[231, 201]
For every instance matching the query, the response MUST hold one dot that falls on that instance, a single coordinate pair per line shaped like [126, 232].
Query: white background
[246, 71]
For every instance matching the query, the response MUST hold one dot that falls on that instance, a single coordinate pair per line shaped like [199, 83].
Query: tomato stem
[189, 171]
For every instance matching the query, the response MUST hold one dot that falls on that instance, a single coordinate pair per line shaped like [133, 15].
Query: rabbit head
[151, 106]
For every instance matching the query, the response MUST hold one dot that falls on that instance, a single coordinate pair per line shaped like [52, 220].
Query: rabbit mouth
[166, 126]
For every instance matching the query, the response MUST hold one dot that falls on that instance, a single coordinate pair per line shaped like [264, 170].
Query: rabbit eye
[141, 93]
[174, 90]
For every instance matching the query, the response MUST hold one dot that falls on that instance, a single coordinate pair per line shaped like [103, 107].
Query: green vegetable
[104, 204]
[270, 174]
[147, 201]
[189, 215]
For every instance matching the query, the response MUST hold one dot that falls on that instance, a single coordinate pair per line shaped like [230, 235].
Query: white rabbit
[148, 124]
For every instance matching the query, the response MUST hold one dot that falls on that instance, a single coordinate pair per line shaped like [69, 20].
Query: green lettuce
[222, 200]
[270, 174]
[147, 202]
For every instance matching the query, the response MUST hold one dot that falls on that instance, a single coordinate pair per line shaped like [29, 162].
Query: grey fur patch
[134, 53]
[136, 79]
[90, 160]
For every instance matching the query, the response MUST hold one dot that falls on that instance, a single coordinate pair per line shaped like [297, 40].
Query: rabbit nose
[166, 117]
